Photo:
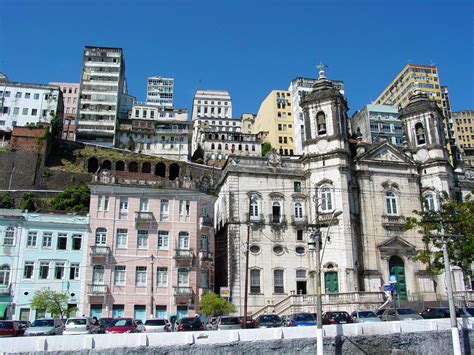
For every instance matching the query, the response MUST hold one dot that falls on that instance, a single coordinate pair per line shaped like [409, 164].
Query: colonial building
[152, 251]
[356, 194]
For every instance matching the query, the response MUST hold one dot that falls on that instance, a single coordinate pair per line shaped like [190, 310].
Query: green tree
[72, 199]
[266, 147]
[453, 219]
[7, 200]
[130, 143]
[51, 301]
[212, 305]
[56, 127]
[27, 202]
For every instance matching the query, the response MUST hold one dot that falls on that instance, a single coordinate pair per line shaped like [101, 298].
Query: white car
[364, 317]
[158, 325]
[80, 325]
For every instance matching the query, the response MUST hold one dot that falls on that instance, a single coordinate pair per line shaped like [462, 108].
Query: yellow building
[464, 132]
[275, 121]
[401, 88]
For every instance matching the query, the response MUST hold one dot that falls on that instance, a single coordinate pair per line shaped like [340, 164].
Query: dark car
[189, 324]
[10, 328]
[268, 321]
[301, 320]
[103, 324]
[339, 317]
[250, 323]
[122, 325]
[465, 311]
[435, 312]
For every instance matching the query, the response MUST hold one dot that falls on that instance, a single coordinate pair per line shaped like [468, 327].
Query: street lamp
[314, 243]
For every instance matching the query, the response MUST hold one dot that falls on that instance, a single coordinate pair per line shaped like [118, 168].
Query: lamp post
[314, 243]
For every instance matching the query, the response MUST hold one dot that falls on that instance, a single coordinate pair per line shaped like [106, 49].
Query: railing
[143, 216]
[5, 290]
[464, 298]
[205, 255]
[299, 221]
[259, 219]
[277, 219]
[95, 289]
[208, 221]
[100, 250]
[183, 291]
[393, 221]
[183, 254]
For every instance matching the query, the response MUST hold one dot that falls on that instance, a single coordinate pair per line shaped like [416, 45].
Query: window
[300, 274]
[28, 269]
[144, 205]
[391, 203]
[299, 235]
[255, 281]
[183, 277]
[122, 236]
[62, 241]
[119, 275]
[164, 205]
[74, 271]
[326, 199]
[76, 241]
[183, 241]
[254, 207]
[298, 210]
[123, 208]
[163, 240]
[31, 239]
[321, 123]
[204, 279]
[278, 281]
[24, 112]
[5, 275]
[9, 238]
[162, 277]
[297, 186]
[44, 270]
[140, 276]
[204, 243]
[103, 203]
[420, 133]
[101, 236]
[142, 239]
[59, 271]
[18, 95]
[184, 208]
[276, 211]
[429, 204]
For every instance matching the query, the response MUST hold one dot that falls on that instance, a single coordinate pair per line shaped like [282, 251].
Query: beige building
[464, 133]
[275, 118]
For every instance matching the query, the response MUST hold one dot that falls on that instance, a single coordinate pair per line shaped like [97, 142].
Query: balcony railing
[95, 289]
[5, 290]
[205, 256]
[183, 254]
[258, 219]
[396, 222]
[277, 219]
[100, 250]
[208, 221]
[183, 291]
[143, 216]
[301, 221]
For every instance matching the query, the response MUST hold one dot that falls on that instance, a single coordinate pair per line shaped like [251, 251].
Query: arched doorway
[146, 167]
[106, 164]
[331, 282]
[174, 171]
[160, 169]
[396, 267]
[92, 165]
[133, 167]
[120, 165]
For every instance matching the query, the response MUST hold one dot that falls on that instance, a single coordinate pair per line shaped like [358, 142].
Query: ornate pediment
[396, 246]
[385, 152]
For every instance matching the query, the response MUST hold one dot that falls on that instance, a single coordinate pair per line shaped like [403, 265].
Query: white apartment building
[212, 104]
[100, 102]
[298, 88]
[155, 130]
[160, 91]
[23, 104]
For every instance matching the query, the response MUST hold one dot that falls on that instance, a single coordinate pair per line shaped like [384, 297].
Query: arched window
[321, 123]
[160, 169]
[213, 146]
[429, 202]
[120, 165]
[101, 236]
[276, 212]
[420, 133]
[174, 171]
[5, 275]
[254, 212]
[325, 196]
[133, 167]
[391, 203]
[298, 207]
[107, 164]
[9, 236]
[146, 167]
[226, 146]
[219, 146]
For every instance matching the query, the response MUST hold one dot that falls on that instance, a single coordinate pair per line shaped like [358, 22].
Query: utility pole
[152, 311]
[319, 302]
[246, 291]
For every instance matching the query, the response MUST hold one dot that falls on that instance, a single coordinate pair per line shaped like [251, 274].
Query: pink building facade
[70, 99]
[151, 252]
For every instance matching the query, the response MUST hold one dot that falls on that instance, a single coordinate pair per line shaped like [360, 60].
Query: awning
[3, 309]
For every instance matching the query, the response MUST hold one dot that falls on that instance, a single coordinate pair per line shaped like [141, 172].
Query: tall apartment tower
[427, 78]
[160, 91]
[298, 88]
[464, 133]
[102, 97]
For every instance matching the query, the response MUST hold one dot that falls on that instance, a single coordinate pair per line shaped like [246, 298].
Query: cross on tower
[321, 67]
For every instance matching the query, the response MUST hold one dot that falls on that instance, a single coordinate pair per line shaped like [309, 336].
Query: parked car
[24, 324]
[104, 323]
[189, 324]
[392, 314]
[10, 328]
[337, 317]
[157, 325]
[249, 324]
[364, 317]
[46, 326]
[79, 325]
[435, 312]
[211, 324]
[122, 325]
[301, 319]
[228, 322]
[379, 313]
[140, 326]
[465, 311]
[268, 321]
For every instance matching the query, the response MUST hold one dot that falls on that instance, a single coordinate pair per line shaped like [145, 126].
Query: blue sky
[246, 47]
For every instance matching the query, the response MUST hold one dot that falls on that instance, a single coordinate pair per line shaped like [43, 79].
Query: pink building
[151, 251]
[70, 100]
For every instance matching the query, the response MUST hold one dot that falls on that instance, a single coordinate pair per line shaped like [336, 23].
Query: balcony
[183, 254]
[393, 222]
[303, 221]
[183, 291]
[258, 219]
[100, 251]
[207, 221]
[277, 220]
[206, 256]
[144, 218]
[5, 290]
[97, 290]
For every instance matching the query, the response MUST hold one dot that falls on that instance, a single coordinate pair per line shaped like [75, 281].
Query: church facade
[357, 194]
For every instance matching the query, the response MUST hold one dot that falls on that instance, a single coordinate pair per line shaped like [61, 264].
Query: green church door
[397, 268]
[330, 282]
